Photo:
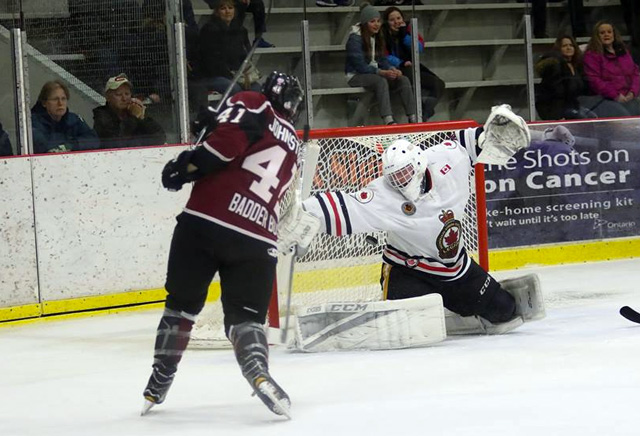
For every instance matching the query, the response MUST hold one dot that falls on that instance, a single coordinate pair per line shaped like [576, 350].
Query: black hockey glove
[207, 119]
[176, 173]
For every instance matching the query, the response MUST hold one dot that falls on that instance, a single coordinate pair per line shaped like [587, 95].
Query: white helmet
[403, 167]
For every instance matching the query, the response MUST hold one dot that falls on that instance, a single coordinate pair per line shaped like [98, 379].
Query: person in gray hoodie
[367, 66]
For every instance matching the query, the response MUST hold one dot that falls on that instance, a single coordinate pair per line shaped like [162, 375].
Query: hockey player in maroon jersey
[229, 225]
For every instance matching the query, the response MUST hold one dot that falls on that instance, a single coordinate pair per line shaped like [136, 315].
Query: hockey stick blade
[630, 314]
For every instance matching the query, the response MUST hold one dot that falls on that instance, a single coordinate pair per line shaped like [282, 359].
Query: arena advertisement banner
[563, 190]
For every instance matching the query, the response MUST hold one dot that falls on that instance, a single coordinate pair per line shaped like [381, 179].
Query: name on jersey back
[253, 211]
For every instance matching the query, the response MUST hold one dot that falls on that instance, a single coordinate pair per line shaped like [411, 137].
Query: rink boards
[86, 231]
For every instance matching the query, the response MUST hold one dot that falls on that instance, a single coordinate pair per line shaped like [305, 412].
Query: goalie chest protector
[426, 235]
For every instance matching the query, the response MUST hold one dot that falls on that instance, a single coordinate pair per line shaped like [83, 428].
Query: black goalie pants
[247, 267]
[475, 293]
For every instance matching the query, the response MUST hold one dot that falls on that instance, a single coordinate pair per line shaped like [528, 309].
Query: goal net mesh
[345, 268]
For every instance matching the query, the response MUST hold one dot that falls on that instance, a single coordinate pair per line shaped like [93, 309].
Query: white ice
[577, 372]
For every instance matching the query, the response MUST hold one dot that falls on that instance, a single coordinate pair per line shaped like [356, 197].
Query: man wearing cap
[122, 121]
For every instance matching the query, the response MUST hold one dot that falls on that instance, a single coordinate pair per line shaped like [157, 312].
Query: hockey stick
[630, 314]
[307, 171]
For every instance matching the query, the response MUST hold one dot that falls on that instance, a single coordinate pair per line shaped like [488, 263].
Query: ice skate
[272, 395]
[156, 390]
[251, 348]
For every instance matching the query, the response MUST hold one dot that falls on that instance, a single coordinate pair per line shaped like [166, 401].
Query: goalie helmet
[403, 167]
[285, 94]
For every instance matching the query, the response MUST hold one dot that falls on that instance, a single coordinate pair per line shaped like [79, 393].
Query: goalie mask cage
[347, 268]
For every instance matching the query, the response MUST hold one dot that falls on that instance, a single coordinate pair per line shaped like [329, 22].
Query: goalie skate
[272, 395]
[528, 294]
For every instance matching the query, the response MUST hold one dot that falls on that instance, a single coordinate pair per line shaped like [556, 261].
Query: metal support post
[306, 65]
[415, 64]
[21, 82]
[182, 85]
[529, 65]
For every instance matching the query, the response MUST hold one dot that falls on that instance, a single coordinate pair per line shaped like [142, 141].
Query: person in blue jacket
[367, 66]
[397, 36]
[55, 129]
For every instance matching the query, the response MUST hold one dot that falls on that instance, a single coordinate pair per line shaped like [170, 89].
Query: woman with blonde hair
[55, 128]
[610, 69]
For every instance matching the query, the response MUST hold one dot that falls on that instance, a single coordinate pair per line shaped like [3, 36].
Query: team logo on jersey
[273, 252]
[448, 241]
[364, 196]
[445, 169]
[408, 208]
[411, 263]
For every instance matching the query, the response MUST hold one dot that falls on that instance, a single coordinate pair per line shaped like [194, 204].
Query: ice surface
[577, 372]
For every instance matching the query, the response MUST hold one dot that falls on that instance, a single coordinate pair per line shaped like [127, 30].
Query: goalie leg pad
[381, 325]
[528, 294]
[476, 325]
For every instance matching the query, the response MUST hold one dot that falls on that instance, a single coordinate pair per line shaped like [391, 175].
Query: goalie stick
[310, 160]
[630, 314]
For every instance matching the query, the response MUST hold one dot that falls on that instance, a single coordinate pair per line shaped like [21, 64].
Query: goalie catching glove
[296, 230]
[504, 134]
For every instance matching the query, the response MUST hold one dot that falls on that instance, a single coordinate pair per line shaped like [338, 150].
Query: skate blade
[282, 406]
[146, 406]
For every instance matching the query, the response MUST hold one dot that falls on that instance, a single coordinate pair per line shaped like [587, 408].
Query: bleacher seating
[475, 46]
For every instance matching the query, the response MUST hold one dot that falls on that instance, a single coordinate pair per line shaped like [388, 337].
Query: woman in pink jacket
[610, 70]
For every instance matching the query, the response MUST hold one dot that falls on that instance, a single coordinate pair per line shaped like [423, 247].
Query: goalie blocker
[408, 323]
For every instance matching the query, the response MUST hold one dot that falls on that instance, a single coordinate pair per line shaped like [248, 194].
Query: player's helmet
[285, 94]
[403, 167]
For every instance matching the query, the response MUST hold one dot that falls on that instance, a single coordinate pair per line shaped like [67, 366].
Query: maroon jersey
[261, 149]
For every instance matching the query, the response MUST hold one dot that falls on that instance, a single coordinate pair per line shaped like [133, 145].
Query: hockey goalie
[426, 272]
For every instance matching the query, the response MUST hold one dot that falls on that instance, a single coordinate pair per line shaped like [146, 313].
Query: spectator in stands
[55, 129]
[367, 66]
[5, 144]
[122, 121]
[610, 69]
[257, 9]
[558, 94]
[152, 75]
[224, 43]
[397, 35]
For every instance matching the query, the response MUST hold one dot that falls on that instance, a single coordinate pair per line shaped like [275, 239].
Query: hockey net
[347, 268]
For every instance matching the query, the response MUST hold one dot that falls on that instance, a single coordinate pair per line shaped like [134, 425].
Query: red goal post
[347, 268]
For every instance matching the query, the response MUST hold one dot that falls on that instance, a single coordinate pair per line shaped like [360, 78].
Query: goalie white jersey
[426, 235]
